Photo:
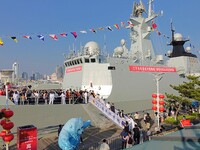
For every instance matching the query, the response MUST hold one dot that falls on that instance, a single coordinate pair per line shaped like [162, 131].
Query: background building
[24, 75]
[15, 76]
[59, 72]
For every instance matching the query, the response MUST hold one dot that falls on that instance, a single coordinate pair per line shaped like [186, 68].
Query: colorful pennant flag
[74, 34]
[14, 38]
[130, 23]
[93, 30]
[101, 28]
[158, 32]
[63, 34]
[123, 24]
[116, 26]
[83, 31]
[27, 37]
[109, 28]
[41, 37]
[154, 26]
[1, 42]
[165, 36]
[53, 36]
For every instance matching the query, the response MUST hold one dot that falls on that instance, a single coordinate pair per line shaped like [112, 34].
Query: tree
[188, 91]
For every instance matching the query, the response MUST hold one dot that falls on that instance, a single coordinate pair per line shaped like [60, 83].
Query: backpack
[130, 140]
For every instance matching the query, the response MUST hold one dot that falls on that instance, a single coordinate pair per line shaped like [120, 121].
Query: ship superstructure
[127, 77]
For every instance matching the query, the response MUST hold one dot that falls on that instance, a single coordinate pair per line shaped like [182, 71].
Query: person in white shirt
[86, 97]
[16, 97]
[51, 97]
[104, 145]
[36, 95]
[63, 97]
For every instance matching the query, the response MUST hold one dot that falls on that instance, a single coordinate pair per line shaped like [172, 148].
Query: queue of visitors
[27, 96]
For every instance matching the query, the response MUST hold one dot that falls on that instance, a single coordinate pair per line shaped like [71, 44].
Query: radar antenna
[138, 9]
[150, 8]
[172, 31]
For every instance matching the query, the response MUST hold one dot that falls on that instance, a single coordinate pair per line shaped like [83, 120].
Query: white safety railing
[108, 113]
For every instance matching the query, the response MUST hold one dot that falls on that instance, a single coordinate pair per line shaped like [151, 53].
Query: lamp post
[158, 77]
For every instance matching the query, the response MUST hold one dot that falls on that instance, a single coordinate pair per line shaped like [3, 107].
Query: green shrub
[190, 117]
[171, 120]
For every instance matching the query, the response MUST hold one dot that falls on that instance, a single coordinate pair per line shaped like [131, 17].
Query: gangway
[114, 117]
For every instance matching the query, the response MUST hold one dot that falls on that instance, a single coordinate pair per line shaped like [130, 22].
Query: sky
[44, 17]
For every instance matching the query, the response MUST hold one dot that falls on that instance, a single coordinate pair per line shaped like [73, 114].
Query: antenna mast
[104, 47]
[172, 31]
[150, 8]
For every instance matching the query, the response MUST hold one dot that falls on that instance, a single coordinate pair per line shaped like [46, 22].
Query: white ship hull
[112, 77]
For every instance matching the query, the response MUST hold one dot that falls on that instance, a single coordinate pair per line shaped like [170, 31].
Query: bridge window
[93, 60]
[111, 67]
[87, 60]
[81, 61]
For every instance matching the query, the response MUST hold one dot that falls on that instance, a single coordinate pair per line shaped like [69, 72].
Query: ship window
[111, 67]
[81, 61]
[66, 64]
[75, 62]
[93, 60]
[87, 60]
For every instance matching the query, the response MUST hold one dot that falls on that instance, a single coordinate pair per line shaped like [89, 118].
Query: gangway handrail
[120, 121]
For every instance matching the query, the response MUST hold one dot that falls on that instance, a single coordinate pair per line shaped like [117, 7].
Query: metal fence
[114, 143]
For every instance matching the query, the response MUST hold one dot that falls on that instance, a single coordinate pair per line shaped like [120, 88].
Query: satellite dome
[123, 42]
[91, 48]
[188, 49]
[119, 50]
[178, 37]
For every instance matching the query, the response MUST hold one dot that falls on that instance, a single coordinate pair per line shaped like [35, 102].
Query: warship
[130, 76]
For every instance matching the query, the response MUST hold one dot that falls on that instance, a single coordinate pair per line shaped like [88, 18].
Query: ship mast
[141, 45]
[150, 8]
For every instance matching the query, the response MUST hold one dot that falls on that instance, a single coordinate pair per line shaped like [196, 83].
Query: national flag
[27, 37]
[116, 26]
[63, 34]
[154, 26]
[122, 24]
[1, 42]
[74, 34]
[53, 36]
[101, 28]
[93, 30]
[83, 31]
[14, 38]
[109, 28]
[41, 37]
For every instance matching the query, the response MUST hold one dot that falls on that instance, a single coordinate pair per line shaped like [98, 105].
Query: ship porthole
[99, 88]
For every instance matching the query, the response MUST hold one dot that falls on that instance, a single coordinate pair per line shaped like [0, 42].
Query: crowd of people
[133, 133]
[27, 96]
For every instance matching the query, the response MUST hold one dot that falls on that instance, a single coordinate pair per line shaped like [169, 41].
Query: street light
[158, 77]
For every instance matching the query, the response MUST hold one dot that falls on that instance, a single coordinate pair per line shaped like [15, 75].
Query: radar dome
[188, 49]
[118, 51]
[123, 42]
[91, 48]
[169, 52]
[178, 37]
